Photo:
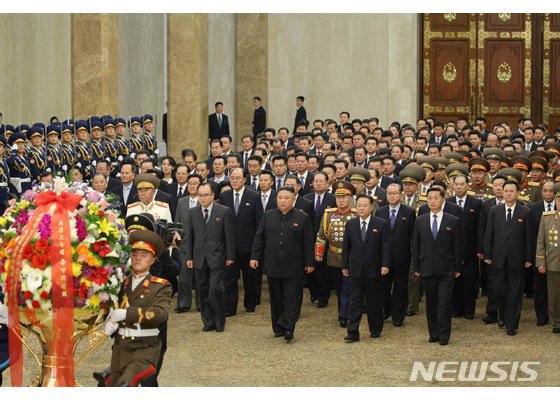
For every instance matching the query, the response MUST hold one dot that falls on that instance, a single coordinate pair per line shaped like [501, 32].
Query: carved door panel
[551, 71]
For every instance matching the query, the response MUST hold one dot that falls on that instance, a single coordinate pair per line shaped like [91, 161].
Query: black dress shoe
[374, 335]
[208, 328]
[352, 337]
[322, 304]
[444, 342]
[219, 329]
[469, 316]
[397, 323]
[180, 310]
[489, 320]
[279, 334]
[313, 299]
[457, 314]
[542, 323]
[529, 296]
[230, 314]
[556, 329]
[101, 377]
[501, 324]
[410, 313]
[433, 340]
[386, 316]
[343, 322]
[250, 310]
[288, 335]
[511, 333]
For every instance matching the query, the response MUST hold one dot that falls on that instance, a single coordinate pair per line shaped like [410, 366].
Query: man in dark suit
[437, 257]
[448, 207]
[104, 167]
[218, 123]
[300, 204]
[128, 191]
[210, 249]
[305, 177]
[301, 114]
[400, 219]
[438, 137]
[465, 290]
[186, 276]
[178, 189]
[259, 117]
[365, 259]
[508, 250]
[246, 207]
[541, 293]
[319, 282]
[284, 242]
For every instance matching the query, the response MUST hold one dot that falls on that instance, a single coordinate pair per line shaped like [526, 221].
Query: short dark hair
[436, 189]
[257, 98]
[220, 157]
[512, 182]
[364, 196]
[218, 103]
[193, 176]
[301, 98]
[208, 184]
[188, 152]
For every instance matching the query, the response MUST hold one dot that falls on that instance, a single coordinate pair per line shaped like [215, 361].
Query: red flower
[44, 295]
[36, 304]
[42, 245]
[27, 252]
[27, 294]
[39, 261]
[101, 213]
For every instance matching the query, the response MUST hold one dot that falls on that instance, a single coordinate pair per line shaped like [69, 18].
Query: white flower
[34, 280]
[46, 305]
[59, 185]
[112, 254]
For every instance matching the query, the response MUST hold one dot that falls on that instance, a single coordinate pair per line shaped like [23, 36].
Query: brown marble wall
[187, 80]
[95, 64]
[251, 68]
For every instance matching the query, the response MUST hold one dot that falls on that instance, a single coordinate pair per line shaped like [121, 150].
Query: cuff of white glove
[118, 315]
[110, 328]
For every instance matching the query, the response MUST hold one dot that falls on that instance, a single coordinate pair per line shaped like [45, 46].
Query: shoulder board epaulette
[162, 204]
[354, 209]
[489, 184]
[133, 204]
[549, 212]
[423, 198]
[158, 280]
[523, 198]
[534, 184]
[331, 209]
[471, 193]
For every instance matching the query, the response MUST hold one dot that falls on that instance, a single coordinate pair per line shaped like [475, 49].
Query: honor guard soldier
[143, 307]
[548, 257]
[36, 152]
[98, 151]
[7, 131]
[4, 177]
[67, 152]
[494, 156]
[479, 169]
[149, 139]
[20, 173]
[54, 154]
[147, 185]
[530, 191]
[111, 146]
[136, 143]
[329, 242]
[120, 128]
[82, 148]
[23, 128]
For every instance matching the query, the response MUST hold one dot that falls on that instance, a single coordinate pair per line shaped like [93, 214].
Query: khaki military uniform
[483, 192]
[413, 281]
[137, 344]
[159, 209]
[531, 193]
[417, 201]
[548, 255]
[331, 233]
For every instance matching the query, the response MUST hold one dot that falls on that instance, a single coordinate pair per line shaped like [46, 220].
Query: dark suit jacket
[470, 218]
[213, 242]
[271, 202]
[365, 258]
[443, 256]
[173, 188]
[114, 185]
[385, 181]
[215, 131]
[247, 220]
[301, 115]
[285, 243]
[307, 188]
[259, 120]
[304, 205]
[328, 200]
[442, 141]
[509, 246]
[381, 195]
[400, 235]
[449, 208]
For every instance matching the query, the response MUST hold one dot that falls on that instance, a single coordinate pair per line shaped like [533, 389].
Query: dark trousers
[187, 283]
[373, 290]
[508, 288]
[492, 300]
[529, 281]
[152, 381]
[285, 302]
[466, 289]
[541, 297]
[439, 297]
[395, 292]
[319, 282]
[259, 278]
[231, 287]
[211, 287]
[340, 283]
[483, 277]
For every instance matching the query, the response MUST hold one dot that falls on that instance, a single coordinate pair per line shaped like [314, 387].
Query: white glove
[110, 327]
[3, 314]
[118, 315]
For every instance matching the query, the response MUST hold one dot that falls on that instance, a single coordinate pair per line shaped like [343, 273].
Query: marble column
[95, 64]
[187, 63]
[251, 68]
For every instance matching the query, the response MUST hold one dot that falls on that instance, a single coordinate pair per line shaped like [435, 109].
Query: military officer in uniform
[54, 156]
[479, 169]
[146, 185]
[149, 139]
[67, 151]
[82, 148]
[4, 177]
[136, 143]
[530, 191]
[111, 146]
[329, 242]
[144, 306]
[20, 173]
[494, 156]
[36, 152]
[98, 150]
[122, 142]
[548, 257]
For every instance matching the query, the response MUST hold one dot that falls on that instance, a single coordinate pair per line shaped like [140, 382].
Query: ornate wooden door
[551, 71]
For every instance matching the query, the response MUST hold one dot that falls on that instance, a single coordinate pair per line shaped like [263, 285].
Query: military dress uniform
[329, 240]
[20, 173]
[158, 209]
[483, 191]
[150, 141]
[530, 191]
[136, 142]
[4, 179]
[112, 155]
[98, 151]
[68, 157]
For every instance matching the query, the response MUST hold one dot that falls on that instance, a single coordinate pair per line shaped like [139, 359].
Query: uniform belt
[129, 332]
[3, 184]
[25, 180]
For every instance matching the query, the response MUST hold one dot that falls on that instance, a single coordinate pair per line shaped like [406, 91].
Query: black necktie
[508, 219]
[180, 192]
[206, 216]
[363, 231]
[255, 183]
[549, 207]
[460, 203]
[278, 184]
